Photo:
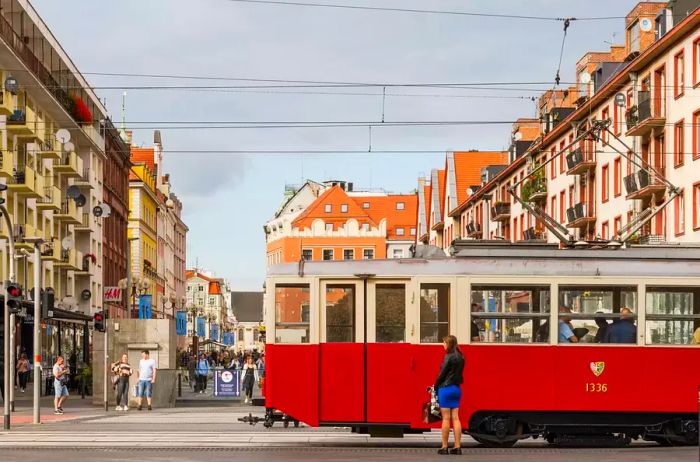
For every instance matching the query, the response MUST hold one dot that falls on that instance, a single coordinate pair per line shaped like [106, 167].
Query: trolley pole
[6, 324]
[36, 416]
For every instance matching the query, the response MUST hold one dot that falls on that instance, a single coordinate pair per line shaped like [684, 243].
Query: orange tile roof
[441, 189]
[214, 284]
[335, 197]
[468, 167]
[427, 191]
[144, 155]
[385, 207]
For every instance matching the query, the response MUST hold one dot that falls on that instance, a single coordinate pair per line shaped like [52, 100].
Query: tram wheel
[286, 424]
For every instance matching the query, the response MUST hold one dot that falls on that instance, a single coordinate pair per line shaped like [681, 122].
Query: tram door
[342, 351]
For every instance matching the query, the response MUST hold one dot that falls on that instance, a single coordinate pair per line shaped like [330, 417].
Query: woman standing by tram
[249, 377]
[449, 394]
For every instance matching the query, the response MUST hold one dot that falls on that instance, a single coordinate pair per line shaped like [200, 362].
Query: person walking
[60, 384]
[202, 373]
[449, 394]
[147, 377]
[249, 377]
[191, 372]
[23, 372]
[122, 370]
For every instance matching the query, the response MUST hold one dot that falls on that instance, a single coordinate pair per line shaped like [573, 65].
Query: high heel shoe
[443, 451]
[457, 451]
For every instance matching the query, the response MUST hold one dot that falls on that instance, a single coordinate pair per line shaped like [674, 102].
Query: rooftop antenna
[122, 127]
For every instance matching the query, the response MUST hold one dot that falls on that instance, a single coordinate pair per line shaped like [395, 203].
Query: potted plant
[80, 111]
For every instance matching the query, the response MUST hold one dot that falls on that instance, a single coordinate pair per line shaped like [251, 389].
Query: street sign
[112, 294]
[226, 383]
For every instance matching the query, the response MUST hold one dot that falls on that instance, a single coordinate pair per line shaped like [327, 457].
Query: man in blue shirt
[566, 332]
[622, 330]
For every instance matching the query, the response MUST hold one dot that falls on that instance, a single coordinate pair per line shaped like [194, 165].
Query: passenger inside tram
[475, 335]
[622, 330]
[566, 329]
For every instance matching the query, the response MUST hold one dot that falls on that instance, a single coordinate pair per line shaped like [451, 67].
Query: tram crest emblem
[597, 367]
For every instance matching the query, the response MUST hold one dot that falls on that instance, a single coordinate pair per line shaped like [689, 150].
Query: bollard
[179, 384]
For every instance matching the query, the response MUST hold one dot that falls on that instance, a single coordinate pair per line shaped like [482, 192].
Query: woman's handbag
[431, 409]
[115, 380]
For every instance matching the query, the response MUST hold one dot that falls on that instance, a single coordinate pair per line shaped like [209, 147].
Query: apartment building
[206, 306]
[341, 224]
[616, 155]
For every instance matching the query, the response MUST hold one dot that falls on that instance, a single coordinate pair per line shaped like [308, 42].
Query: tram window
[434, 312]
[673, 315]
[509, 314]
[390, 303]
[292, 313]
[340, 313]
[587, 314]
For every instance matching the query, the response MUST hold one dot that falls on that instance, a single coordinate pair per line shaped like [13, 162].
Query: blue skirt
[449, 396]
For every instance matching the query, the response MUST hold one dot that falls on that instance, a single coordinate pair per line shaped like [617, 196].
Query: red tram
[356, 343]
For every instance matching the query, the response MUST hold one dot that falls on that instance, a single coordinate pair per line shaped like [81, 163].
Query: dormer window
[343, 208]
[400, 206]
[328, 208]
[365, 226]
[365, 205]
[399, 231]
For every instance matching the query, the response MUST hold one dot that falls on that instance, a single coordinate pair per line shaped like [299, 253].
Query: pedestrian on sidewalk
[122, 370]
[249, 378]
[60, 384]
[202, 373]
[147, 377]
[192, 372]
[448, 385]
[23, 372]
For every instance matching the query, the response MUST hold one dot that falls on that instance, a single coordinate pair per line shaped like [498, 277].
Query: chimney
[639, 24]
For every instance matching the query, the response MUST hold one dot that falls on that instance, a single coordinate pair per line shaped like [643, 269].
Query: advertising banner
[214, 332]
[181, 323]
[112, 294]
[226, 383]
[201, 326]
[145, 302]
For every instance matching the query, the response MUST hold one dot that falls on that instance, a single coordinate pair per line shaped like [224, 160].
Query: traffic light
[99, 321]
[14, 297]
[47, 301]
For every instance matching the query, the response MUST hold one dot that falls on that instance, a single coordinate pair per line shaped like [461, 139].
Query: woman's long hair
[452, 344]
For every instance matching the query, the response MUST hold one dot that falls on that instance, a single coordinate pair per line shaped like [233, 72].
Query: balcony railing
[643, 184]
[531, 234]
[645, 115]
[473, 229]
[579, 216]
[534, 190]
[500, 211]
[581, 159]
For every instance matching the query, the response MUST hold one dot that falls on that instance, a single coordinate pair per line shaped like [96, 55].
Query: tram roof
[649, 261]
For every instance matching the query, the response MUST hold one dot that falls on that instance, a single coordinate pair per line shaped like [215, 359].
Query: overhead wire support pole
[6, 337]
[36, 412]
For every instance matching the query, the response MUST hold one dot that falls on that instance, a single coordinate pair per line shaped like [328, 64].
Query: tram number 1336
[596, 387]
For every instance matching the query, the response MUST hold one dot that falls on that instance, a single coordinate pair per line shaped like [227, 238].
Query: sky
[228, 197]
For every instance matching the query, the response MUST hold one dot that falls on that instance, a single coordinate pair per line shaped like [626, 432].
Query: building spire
[122, 128]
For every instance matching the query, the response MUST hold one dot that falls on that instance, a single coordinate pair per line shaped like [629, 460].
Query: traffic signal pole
[36, 419]
[106, 365]
[6, 324]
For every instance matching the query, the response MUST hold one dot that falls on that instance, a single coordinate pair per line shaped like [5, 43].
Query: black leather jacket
[451, 370]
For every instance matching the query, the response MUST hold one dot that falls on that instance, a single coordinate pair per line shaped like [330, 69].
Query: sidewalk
[74, 408]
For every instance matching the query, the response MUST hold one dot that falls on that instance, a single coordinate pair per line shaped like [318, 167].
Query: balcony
[51, 199]
[534, 190]
[51, 251]
[500, 211]
[580, 161]
[47, 150]
[644, 116]
[643, 184]
[25, 231]
[26, 182]
[84, 179]
[71, 259]
[7, 169]
[68, 213]
[85, 223]
[474, 230]
[71, 166]
[579, 216]
[531, 234]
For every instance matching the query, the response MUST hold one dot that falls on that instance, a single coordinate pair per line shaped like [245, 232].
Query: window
[591, 314]
[678, 145]
[562, 205]
[605, 230]
[412, 231]
[340, 313]
[696, 61]
[510, 314]
[329, 227]
[399, 231]
[616, 119]
[400, 206]
[617, 224]
[679, 214]
[678, 75]
[328, 254]
[328, 208]
[397, 253]
[307, 254]
[365, 226]
[292, 304]
[390, 303]
[553, 165]
[617, 177]
[343, 208]
[696, 135]
[605, 115]
[201, 288]
[365, 205]
[434, 312]
[348, 254]
[673, 315]
[368, 254]
[605, 180]
[553, 208]
[696, 206]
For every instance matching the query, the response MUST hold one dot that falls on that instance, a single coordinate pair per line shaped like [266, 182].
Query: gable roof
[467, 170]
[144, 155]
[385, 207]
[247, 306]
[335, 197]
[214, 284]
